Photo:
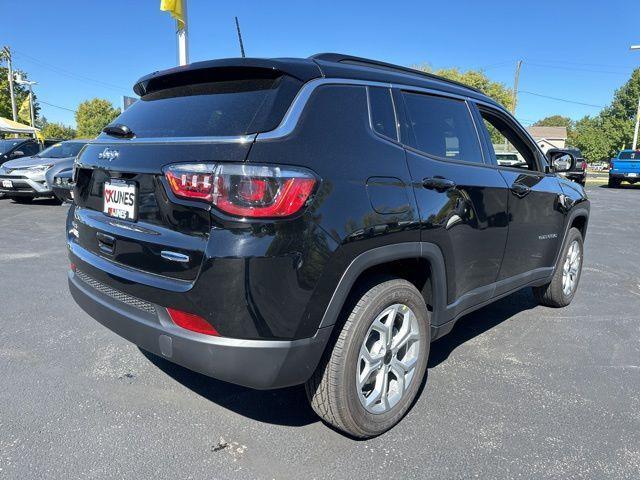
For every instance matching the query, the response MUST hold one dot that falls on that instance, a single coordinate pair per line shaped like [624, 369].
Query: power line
[575, 69]
[562, 99]
[67, 73]
[57, 106]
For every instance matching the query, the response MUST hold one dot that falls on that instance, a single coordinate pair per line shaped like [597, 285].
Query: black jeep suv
[273, 222]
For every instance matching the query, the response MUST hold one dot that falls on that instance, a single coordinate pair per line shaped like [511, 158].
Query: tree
[58, 131]
[602, 136]
[554, 121]
[20, 92]
[93, 115]
[476, 79]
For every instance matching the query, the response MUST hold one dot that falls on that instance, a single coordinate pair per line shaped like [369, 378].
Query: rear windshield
[629, 156]
[223, 108]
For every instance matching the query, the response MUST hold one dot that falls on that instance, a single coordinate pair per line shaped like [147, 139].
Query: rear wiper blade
[118, 130]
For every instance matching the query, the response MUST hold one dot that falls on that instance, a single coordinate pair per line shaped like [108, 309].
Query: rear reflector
[192, 322]
[250, 191]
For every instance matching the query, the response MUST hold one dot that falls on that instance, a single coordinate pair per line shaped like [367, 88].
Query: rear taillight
[611, 164]
[584, 166]
[255, 191]
[192, 322]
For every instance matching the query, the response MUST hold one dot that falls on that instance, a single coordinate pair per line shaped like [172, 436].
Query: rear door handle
[438, 183]
[520, 190]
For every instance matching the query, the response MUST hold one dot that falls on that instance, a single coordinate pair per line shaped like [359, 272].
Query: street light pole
[30, 84]
[635, 132]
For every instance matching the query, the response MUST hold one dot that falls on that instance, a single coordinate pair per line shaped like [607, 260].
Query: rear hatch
[199, 114]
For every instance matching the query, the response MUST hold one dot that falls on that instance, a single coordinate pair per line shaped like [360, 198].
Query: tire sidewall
[574, 235]
[399, 292]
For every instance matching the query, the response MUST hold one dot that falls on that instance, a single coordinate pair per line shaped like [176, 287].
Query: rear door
[462, 200]
[126, 212]
[536, 215]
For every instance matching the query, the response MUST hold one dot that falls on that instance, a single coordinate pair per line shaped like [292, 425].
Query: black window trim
[413, 148]
[519, 131]
[395, 114]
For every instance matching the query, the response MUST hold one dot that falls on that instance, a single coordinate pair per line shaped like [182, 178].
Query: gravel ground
[516, 390]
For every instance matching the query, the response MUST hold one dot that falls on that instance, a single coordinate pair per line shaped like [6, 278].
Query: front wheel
[369, 378]
[560, 291]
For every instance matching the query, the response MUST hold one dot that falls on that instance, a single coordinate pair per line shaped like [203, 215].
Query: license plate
[7, 183]
[120, 199]
[633, 175]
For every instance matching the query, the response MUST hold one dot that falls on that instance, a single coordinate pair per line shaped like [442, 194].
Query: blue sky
[574, 50]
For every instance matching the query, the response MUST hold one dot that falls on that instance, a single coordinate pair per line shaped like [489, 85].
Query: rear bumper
[259, 364]
[626, 176]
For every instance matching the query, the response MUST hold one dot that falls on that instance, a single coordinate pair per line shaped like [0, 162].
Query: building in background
[549, 137]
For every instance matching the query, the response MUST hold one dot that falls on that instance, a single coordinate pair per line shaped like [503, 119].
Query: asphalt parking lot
[515, 391]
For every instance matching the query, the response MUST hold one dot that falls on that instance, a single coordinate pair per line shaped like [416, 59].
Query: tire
[613, 183]
[554, 294]
[333, 390]
[22, 200]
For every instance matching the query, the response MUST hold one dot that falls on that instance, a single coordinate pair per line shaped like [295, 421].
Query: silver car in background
[24, 179]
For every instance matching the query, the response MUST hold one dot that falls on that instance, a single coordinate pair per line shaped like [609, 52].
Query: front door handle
[437, 183]
[520, 190]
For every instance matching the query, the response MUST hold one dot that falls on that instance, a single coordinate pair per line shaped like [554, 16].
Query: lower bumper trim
[259, 364]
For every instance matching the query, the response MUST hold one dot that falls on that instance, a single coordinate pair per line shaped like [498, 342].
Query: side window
[29, 149]
[383, 117]
[509, 149]
[443, 127]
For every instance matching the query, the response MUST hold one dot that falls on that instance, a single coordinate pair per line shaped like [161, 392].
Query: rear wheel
[371, 375]
[613, 183]
[560, 291]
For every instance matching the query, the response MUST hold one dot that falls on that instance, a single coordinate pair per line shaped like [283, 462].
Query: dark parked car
[59, 180]
[274, 222]
[579, 171]
[24, 179]
[12, 148]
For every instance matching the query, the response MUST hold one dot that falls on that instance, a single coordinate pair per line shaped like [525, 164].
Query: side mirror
[560, 160]
[17, 153]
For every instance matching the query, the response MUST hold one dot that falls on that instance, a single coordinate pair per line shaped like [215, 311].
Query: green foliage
[21, 93]
[58, 131]
[602, 136]
[476, 79]
[93, 115]
[554, 121]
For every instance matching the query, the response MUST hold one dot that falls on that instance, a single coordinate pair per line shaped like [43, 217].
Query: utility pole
[515, 86]
[6, 53]
[240, 38]
[635, 132]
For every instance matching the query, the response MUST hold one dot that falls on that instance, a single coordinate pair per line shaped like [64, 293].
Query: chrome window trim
[159, 140]
[294, 112]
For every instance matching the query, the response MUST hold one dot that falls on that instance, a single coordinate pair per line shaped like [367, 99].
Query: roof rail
[366, 62]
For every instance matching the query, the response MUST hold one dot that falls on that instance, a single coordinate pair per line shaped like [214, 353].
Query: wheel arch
[393, 259]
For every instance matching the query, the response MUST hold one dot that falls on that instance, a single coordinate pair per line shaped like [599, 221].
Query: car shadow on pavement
[286, 406]
[478, 322]
[289, 406]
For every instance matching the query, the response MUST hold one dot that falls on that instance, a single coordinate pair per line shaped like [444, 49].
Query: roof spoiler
[227, 69]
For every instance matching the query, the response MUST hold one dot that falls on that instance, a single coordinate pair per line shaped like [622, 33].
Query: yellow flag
[176, 9]
[40, 136]
[25, 111]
